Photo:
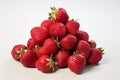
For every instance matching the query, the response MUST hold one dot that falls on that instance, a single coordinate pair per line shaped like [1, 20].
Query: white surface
[101, 19]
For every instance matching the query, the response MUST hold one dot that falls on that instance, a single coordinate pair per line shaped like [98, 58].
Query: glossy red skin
[15, 51]
[41, 64]
[92, 43]
[61, 58]
[57, 30]
[49, 47]
[83, 48]
[68, 42]
[95, 56]
[82, 35]
[72, 26]
[31, 43]
[47, 23]
[39, 34]
[29, 58]
[61, 16]
[76, 63]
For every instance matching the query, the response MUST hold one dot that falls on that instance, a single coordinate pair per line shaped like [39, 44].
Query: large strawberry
[45, 64]
[68, 42]
[76, 63]
[49, 47]
[29, 58]
[39, 34]
[59, 15]
[17, 51]
[83, 48]
[82, 35]
[57, 30]
[72, 26]
[61, 58]
[95, 55]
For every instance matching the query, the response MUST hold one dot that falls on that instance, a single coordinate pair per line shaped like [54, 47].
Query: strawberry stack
[58, 43]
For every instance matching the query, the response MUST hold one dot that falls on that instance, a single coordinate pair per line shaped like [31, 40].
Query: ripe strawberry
[92, 43]
[29, 58]
[72, 26]
[49, 47]
[76, 63]
[45, 64]
[39, 34]
[31, 43]
[68, 42]
[82, 35]
[17, 51]
[47, 23]
[61, 58]
[95, 55]
[83, 48]
[57, 30]
[59, 15]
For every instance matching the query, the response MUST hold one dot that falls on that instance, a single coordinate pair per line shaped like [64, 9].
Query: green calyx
[51, 63]
[20, 52]
[101, 50]
[57, 42]
[53, 13]
[36, 48]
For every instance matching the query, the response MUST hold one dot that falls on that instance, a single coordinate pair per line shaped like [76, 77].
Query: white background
[100, 18]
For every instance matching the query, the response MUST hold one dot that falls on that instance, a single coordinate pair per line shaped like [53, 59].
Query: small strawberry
[68, 42]
[59, 15]
[17, 51]
[61, 58]
[76, 63]
[95, 55]
[47, 23]
[39, 34]
[83, 48]
[92, 43]
[49, 47]
[29, 58]
[82, 35]
[57, 30]
[72, 26]
[45, 64]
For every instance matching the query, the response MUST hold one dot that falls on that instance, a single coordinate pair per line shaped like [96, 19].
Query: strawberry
[83, 48]
[29, 58]
[47, 23]
[45, 64]
[17, 51]
[59, 15]
[61, 58]
[57, 30]
[72, 26]
[68, 42]
[49, 47]
[92, 43]
[95, 55]
[39, 34]
[76, 63]
[82, 35]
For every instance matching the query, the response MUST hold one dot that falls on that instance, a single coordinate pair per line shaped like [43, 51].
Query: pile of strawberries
[58, 43]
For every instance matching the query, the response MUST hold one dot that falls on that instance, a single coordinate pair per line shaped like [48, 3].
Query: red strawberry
[45, 64]
[59, 15]
[92, 43]
[49, 47]
[95, 55]
[61, 58]
[68, 42]
[47, 23]
[31, 43]
[83, 48]
[39, 34]
[57, 30]
[82, 35]
[29, 58]
[17, 51]
[76, 63]
[72, 26]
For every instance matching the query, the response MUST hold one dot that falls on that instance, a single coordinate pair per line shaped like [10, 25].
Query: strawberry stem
[53, 13]
[101, 50]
